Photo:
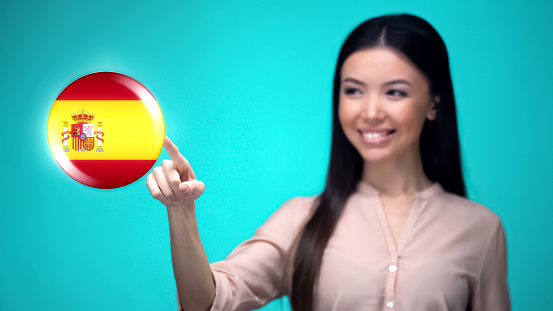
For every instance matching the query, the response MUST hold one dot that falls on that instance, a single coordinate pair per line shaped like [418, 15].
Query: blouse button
[392, 268]
[390, 304]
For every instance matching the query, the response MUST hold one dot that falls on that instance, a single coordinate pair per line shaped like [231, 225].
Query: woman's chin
[374, 158]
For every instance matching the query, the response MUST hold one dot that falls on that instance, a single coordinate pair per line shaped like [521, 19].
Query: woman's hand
[174, 183]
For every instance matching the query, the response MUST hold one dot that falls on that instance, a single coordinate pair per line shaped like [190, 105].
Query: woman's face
[384, 101]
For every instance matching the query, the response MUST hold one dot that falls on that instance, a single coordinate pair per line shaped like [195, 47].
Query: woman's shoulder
[290, 216]
[460, 205]
[298, 205]
[471, 221]
[295, 208]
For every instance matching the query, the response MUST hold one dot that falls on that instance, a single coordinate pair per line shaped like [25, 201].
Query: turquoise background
[245, 88]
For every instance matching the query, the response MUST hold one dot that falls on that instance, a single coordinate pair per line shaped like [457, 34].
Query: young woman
[392, 230]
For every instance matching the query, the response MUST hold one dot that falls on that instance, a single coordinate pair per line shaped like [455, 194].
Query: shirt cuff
[220, 293]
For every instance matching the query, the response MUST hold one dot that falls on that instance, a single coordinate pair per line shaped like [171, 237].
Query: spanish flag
[105, 130]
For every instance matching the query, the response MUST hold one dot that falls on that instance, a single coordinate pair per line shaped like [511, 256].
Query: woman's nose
[372, 108]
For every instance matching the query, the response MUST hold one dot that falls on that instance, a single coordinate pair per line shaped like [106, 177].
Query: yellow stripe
[132, 129]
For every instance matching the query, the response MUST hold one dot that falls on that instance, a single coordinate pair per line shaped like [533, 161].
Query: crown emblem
[82, 116]
[82, 132]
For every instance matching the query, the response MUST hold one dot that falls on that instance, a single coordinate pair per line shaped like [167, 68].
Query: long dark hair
[439, 141]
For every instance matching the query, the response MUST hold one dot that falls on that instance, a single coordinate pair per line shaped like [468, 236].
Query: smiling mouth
[376, 137]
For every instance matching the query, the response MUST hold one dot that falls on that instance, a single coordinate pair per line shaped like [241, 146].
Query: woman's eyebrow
[396, 81]
[354, 81]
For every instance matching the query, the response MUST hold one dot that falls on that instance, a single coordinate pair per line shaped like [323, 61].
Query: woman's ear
[432, 112]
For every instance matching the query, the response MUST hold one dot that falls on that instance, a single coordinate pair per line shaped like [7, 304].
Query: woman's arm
[253, 274]
[492, 290]
[195, 285]
[174, 184]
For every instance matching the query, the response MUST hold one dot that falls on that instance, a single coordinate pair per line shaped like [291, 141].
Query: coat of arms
[82, 133]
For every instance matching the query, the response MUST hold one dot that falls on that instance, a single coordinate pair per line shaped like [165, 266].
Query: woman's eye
[396, 93]
[351, 91]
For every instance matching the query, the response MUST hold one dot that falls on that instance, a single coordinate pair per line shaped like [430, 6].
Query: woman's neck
[397, 177]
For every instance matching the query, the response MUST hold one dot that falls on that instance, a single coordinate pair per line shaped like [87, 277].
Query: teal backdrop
[245, 90]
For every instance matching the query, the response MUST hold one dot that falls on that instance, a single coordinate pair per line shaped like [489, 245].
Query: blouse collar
[434, 189]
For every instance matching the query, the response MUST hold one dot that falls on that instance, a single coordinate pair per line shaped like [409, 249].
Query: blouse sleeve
[492, 290]
[252, 274]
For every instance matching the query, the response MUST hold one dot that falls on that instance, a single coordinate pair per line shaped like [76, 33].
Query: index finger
[173, 151]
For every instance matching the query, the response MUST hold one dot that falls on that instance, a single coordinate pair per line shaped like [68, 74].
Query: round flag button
[105, 130]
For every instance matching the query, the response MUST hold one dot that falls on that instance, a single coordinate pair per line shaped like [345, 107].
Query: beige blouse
[451, 255]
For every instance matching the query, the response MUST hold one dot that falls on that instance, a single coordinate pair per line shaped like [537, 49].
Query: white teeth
[374, 135]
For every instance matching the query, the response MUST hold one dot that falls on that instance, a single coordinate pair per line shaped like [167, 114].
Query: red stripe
[104, 86]
[107, 174]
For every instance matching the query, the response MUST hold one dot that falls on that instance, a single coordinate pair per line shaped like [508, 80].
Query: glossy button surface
[105, 130]
[390, 304]
[392, 268]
